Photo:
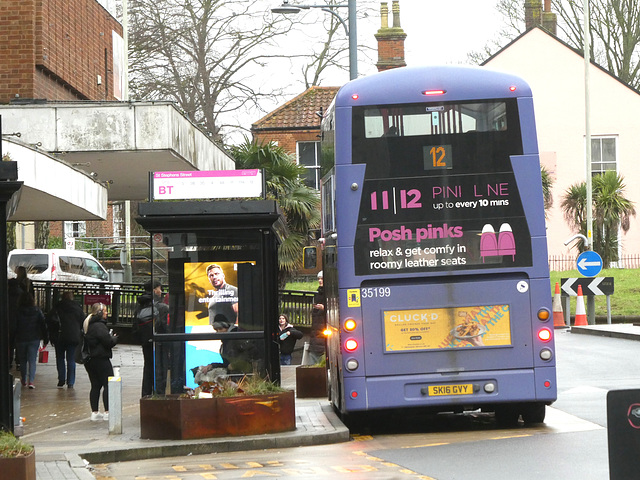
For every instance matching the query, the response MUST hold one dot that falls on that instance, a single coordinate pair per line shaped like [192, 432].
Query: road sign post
[590, 288]
[590, 264]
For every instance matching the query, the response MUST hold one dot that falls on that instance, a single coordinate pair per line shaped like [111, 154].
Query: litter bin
[116, 276]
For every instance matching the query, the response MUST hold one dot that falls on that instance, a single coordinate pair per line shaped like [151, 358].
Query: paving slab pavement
[67, 442]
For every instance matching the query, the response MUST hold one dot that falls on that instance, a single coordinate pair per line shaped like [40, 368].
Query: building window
[309, 157]
[603, 154]
[75, 229]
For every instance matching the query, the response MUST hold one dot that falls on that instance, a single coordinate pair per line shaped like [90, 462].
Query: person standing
[317, 340]
[162, 349]
[287, 336]
[224, 297]
[65, 328]
[99, 368]
[144, 331]
[31, 328]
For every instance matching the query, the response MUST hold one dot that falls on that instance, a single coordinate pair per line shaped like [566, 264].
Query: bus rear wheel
[533, 413]
[507, 415]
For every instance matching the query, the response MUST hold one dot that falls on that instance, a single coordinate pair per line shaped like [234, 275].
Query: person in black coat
[287, 336]
[31, 328]
[99, 368]
[152, 297]
[65, 328]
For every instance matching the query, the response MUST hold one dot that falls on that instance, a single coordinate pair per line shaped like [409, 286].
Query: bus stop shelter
[240, 238]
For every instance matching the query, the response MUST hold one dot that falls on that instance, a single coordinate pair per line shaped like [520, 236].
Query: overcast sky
[444, 31]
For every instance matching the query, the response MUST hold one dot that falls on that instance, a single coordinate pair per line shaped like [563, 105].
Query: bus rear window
[432, 119]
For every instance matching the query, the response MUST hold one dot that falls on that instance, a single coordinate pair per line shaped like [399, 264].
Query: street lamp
[351, 30]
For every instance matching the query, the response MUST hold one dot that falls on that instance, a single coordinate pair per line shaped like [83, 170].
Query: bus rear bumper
[469, 390]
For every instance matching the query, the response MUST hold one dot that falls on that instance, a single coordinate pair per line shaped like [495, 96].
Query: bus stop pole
[7, 189]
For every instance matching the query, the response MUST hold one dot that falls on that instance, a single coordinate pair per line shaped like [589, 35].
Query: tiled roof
[299, 112]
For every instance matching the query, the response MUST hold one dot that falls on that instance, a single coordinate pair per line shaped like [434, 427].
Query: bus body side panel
[529, 133]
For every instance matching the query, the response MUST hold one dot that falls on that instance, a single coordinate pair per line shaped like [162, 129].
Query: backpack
[54, 325]
[142, 325]
[82, 355]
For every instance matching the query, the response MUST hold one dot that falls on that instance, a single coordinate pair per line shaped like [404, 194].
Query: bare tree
[614, 32]
[206, 55]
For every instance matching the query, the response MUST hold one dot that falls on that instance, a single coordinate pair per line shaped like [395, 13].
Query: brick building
[70, 50]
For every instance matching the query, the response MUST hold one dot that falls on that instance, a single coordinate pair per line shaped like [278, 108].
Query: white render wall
[556, 76]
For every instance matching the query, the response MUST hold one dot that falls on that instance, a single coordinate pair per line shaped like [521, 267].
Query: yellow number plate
[464, 389]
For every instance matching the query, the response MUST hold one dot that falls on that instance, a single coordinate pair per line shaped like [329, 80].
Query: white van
[57, 265]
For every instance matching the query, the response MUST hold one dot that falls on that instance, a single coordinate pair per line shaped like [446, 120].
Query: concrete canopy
[52, 190]
[116, 144]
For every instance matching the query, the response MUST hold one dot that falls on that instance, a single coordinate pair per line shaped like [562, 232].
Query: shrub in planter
[17, 459]
[311, 380]
[254, 406]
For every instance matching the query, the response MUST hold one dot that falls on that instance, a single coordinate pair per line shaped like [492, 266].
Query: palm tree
[299, 203]
[611, 211]
[547, 185]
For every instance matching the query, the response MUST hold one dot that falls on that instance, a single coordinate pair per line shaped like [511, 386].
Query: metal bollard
[115, 402]
[18, 425]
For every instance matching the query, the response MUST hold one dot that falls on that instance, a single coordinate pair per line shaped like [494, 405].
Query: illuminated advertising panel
[211, 297]
[439, 328]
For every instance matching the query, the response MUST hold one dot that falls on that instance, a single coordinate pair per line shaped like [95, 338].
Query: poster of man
[211, 297]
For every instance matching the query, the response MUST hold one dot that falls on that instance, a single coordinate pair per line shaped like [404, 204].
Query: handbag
[43, 355]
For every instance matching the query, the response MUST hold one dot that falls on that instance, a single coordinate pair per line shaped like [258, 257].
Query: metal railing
[562, 263]
[120, 299]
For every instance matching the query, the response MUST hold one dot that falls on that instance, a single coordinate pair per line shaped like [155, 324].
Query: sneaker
[60, 384]
[69, 386]
[32, 386]
[95, 416]
[105, 416]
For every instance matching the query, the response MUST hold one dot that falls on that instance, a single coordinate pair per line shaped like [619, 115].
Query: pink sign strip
[207, 174]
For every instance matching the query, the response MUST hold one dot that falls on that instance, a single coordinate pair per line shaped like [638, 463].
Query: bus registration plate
[462, 389]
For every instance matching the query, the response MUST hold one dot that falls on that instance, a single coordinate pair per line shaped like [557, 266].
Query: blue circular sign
[589, 263]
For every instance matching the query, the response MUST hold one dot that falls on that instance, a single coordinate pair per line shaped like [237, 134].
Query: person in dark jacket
[31, 327]
[287, 336]
[65, 328]
[317, 339]
[99, 368]
[152, 297]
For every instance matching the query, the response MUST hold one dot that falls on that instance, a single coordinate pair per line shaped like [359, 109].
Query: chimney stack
[549, 19]
[534, 16]
[390, 40]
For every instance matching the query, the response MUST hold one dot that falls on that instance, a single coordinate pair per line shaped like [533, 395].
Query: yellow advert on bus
[457, 327]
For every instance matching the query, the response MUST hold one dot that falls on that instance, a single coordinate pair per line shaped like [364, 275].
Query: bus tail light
[352, 364]
[546, 354]
[350, 345]
[355, 96]
[544, 314]
[350, 325]
[434, 92]
[326, 332]
[512, 88]
[544, 334]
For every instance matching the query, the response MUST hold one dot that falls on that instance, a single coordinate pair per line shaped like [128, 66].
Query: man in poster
[224, 297]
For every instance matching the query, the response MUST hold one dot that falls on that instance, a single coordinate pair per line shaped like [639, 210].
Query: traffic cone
[581, 315]
[558, 315]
